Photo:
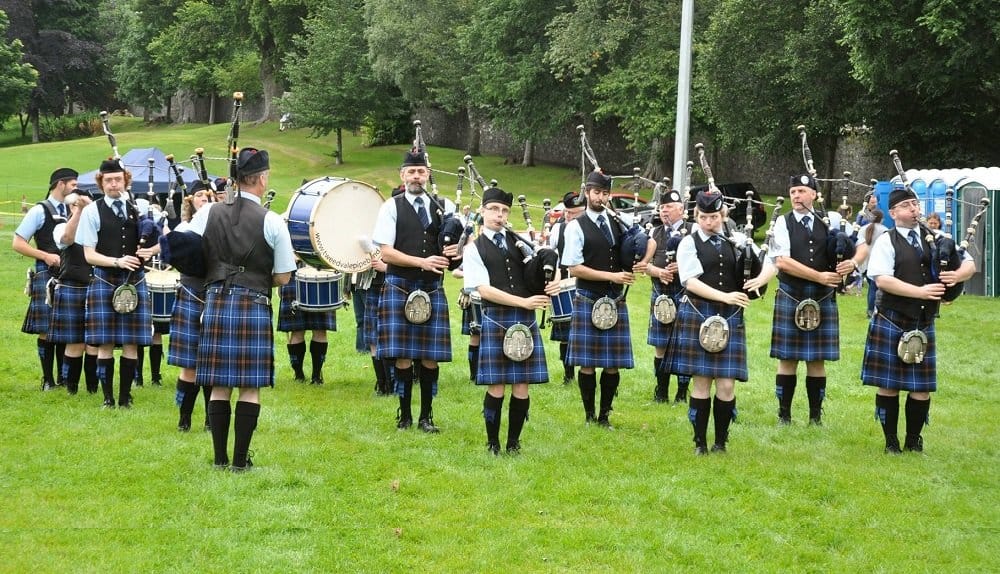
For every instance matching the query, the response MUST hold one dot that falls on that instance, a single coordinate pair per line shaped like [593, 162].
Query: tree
[139, 79]
[931, 70]
[271, 25]
[332, 84]
[17, 78]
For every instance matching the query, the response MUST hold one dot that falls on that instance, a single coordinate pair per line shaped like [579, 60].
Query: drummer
[573, 205]
[508, 312]
[413, 317]
[296, 321]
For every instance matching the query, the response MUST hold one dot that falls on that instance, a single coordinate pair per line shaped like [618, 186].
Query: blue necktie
[499, 241]
[915, 242]
[118, 209]
[716, 242]
[603, 224]
[62, 210]
[421, 212]
[807, 223]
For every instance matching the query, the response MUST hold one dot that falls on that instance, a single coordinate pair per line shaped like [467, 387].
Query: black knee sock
[518, 414]
[317, 352]
[243, 427]
[698, 413]
[428, 390]
[206, 395]
[189, 394]
[296, 355]
[609, 388]
[662, 391]
[569, 371]
[492, 407]
[682, 387]
[106, 376]
[72, 367]
[219, 415]
[473, 362]
[784, 390]
[90, 372]
[916, 416]
[724, 412]
[404, 390]
[588, 389]
[816, 391]
[887, 413]
[378, 367]
[155, 360]
[140, 360]
[46, 355]
[59, 349]
[126, 373]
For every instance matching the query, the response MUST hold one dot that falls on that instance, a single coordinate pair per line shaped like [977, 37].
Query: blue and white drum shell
[318, 290]
[562, 304]
[476, 305]
[330, 221]
[163, 291]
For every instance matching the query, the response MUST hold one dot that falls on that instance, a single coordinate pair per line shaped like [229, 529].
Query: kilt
[236, 346]
[494, 367]
[185, 328]
[36, 320]
[882, 367]
[688, 355]
[372, 297]
[659, 335]
[466, 319]
[820, 344]
[68, 313]
[104, 324]
[560, 331]
[397, 337]
[292, 319]
[591, 347]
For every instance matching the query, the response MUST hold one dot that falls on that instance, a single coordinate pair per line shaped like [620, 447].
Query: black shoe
[784, 416]
[590, 417]
[184, 423]
[661, 395]
[109, 403]
[700, 450]
[404, 423]
[604, 422]
[514, 447]
[893, 449]
[914, 444]
[427, 425]
[317, 380]
[300, 377]
[681, 396]
[48, 385]
[137, 383]
[92, 390]
[816, 417]
[208, 426]
[718, 448]
[125, 403]
[157, 381]
[240, 469]
[568, 379]
[493, 448]
[72, 390]
[220, 465]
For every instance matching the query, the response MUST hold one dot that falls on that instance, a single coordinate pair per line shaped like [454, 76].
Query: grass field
[337, 488]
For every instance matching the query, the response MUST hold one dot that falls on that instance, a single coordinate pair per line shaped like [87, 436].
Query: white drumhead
[314, 275]
[344, 215]
[165, 279]
[567, 284]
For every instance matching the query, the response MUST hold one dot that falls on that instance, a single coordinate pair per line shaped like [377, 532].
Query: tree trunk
[272, 90]
[170, 103]
[529, 154]
[472, 139]
[211, 109]
[145, 114]
[339, 154]
[657, 164]
[35, 127]
[23, 119]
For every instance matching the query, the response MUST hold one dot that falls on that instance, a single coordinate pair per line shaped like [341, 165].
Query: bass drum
[330, 220]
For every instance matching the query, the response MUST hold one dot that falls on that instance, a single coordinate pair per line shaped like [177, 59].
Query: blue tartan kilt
[397, 337]
[791, 343]
[688, 355]
[659, 335]
[882, 367]
[592, 347]
[560, 331]
[185, 328]
[236, 346]
[68, 314]
[36, 320]
[104, 324]
[372, 297]
[292, 319]
[494, 367]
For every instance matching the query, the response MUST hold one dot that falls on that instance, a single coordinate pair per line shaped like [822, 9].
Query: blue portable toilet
[882, 191]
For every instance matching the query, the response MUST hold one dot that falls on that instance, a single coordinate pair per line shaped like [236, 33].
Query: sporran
[664, 309]
[518, 343]
[418, 307]
[912, 347]
[807, 315]
[714, 334]
[125, 299]
[604, 313]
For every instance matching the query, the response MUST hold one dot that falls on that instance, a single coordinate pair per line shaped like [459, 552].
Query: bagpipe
[452, 230]
[946, 254]
[634, 243]
[748, 259]
[840, 245]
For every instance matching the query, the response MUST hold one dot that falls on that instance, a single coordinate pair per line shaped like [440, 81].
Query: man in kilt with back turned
[573, 205]
[413, 313]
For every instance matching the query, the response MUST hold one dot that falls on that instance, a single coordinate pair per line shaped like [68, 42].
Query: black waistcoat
[808, 248]
[599, 255]
[235, 249]
[117, 238]
[73, 266]
[43, 237]
[413, 239]
[719, 268]
[915, 270]
[506, 269]
[661, 234]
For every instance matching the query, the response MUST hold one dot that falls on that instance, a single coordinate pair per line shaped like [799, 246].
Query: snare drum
[330, 221]
[318, 290]
[562, 304]
[163, 289]
[476, 305]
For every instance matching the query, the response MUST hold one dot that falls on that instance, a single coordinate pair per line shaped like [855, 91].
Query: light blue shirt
[782, 245]
[882, 258]
[385, 224]
[573, 246]
[90, 220]
[688, 264]
[275, 234]
[472, 263]
[34, 219]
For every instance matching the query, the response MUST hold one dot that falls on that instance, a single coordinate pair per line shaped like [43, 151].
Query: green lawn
[337, 488]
